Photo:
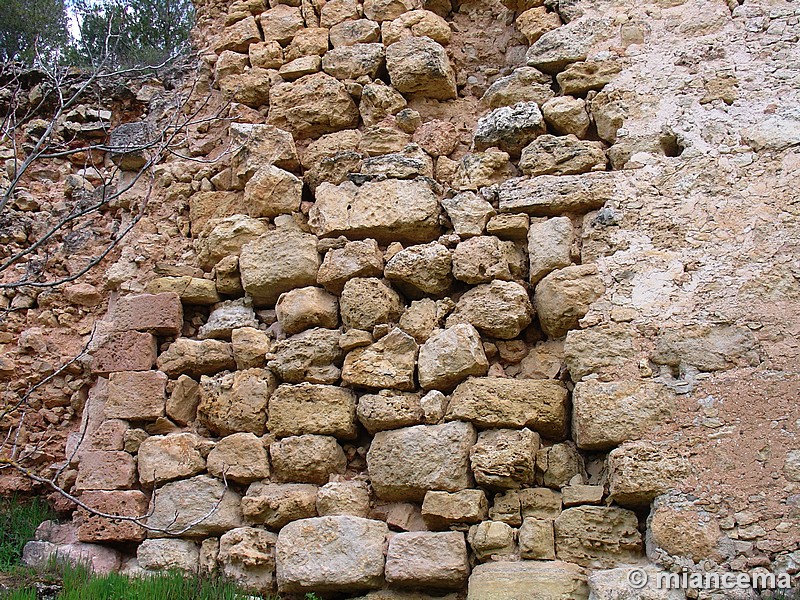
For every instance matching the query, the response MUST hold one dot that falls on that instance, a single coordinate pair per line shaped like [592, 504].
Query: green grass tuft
[18, 522]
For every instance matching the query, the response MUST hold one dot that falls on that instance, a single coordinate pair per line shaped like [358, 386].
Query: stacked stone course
[398, 382]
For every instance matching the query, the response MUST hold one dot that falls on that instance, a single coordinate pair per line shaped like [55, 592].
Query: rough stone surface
[303, 308]
[420, 66]
[468, 213]
[128, 503]
[640, 471]
[549, 246]
[236, 402]
[367, 302]
[528, 580]
[484, 259]
[496, 402]
[356, 259]
[566, 115]
[105, 470]
[406, 463]
[344, 554]
[525, 84]
[195, 358]
[490, 539]
[389, 410]
[605, 414]
[510, 128]
[240, 457]
[276, 504]
[561, 155]
[499, 309]
[196, 507]
[536, 539]
[306, 459]
[419, 270]
[308, 408]
[277, 262]
[136, 395]
[166, 457]
[271, 192]
[435, 560]
[554, 195]
[563, 297]
[450, 356]
[162, 555]
[247, 557]
[388, 363]
[343, 498]
[504, 458]
[389, 210]
[312, 106]
[314, 355]
[598, 537]
[442, 509]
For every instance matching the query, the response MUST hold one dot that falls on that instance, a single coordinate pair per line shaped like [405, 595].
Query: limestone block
[314, 409]
[163, 555]
[236, 402]
[499, 309]
[528, 580]
[389, 409]
[640, 471]
[166, 457]
[307, 307]
[450, 356]
[276, 504]
[563, 297]
[307, 459]
[434, 560]
[247, 557]
[313, 355]
[420, 66]
[598, 536]
[196, 357]
[136, 395]
[504, 458]
[510, 128]
[389, 363]
[159, 314]
[239, 457]
[443, 509]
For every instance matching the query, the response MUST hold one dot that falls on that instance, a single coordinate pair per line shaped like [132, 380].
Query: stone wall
[482, 297]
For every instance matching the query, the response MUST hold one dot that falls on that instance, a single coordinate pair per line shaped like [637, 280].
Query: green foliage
[79, 584]
[31, 26]
[18, 522]
[131, 32]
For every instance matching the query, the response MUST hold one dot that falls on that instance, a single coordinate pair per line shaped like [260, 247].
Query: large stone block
[389, 409]
[257, 145]
[166, 457]
[510, 128]
[339, 554]
[278, 262]
[163, 555]
[247, 557]
[312, 106]
[240, 457]
[387, 211]
[450, 356]
[499, 309]
[361, 258]
[554, 195]
[124, 351]
[528, 580]
[276, 504]
[136, 395]
[485, 258]
[491, 539]
[563, 297]
[313, 355]
[406, 463]
[196, 507]
[236, 402]
[598, 536]
[605, 414]
[307, 459]
[196, 357]
[316, 409]
[549, 244]
[160, 314]
[420, 66]
[442, 509]
[614, 584]
[505, 458]
[388, 363]
[111, 470]
[367, 302]
[420, 270]
[428, 560]
[489, 402]
[307, 307]
[128, 503]
[640, 471]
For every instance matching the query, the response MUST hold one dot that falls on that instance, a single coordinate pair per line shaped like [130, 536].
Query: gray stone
[509, 128]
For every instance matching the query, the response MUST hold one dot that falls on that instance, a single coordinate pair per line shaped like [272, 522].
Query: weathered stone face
[236, 402]
[196, 507]
[495, 402]
[307, 458]
[598, 537]
[278, 262]
[406, 463]
[420, 66]
[389, 210]
[450, 356]
[436, 560]
[607, 414]
[388, 363]
[640, 471]
[369, 302]
[166, 457]
[313, 355]
[240, 457]
[247, 556]
[308, 408]
[344, 554]
[500, 309]
[504, 458]
[276, 504]
[527, 580]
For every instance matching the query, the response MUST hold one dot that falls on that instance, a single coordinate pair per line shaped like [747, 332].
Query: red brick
[160, 314]
[136, 395]
[124, 351]
[129, 503]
